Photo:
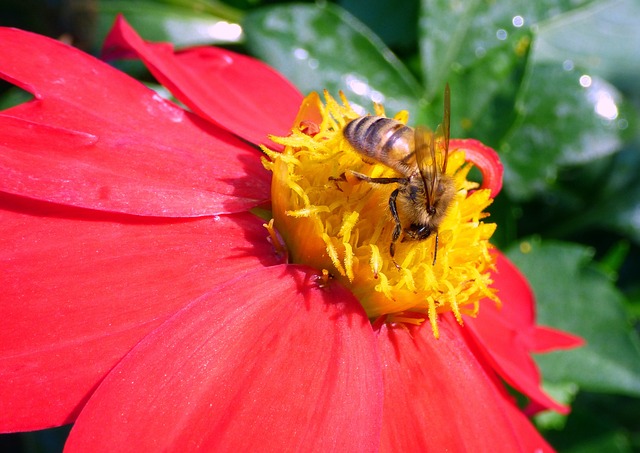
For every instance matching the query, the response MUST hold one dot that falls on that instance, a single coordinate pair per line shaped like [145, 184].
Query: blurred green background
[553, 85]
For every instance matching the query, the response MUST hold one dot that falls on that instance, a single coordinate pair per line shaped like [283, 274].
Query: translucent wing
[426, 160]
[432, 151]
[443, 132]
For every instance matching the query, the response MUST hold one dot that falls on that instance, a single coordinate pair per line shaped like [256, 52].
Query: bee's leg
[338, 180]
[362, 177]
[398, 227]
[435, 250]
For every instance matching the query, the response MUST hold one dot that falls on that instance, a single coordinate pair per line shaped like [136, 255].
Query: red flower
[142, 301]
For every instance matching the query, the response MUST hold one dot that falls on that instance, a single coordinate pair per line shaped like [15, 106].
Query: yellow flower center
[340, 224]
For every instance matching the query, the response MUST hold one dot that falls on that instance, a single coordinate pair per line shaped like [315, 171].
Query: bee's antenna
[446, 126]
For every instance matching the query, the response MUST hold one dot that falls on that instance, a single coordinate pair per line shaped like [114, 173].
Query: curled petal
[485, 159]
[546, 339]
[507, 336]
[239, 93]
[310, 112]
[268, 361]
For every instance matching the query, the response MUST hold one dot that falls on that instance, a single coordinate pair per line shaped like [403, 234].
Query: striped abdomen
[384, 140]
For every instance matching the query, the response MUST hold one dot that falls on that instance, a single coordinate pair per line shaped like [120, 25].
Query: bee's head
[419, 232]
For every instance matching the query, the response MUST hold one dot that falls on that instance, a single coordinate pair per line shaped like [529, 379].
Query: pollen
[332, 220]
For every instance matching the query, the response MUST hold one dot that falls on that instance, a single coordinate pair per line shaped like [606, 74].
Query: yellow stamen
[331, 220]
[278, 244]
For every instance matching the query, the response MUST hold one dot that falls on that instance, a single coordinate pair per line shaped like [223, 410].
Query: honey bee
[424, 191]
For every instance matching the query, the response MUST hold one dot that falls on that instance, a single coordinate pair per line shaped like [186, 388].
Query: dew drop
[525, 247]
[585, 80]
[377, 97]
[517, 21]
[301, 54]
[358, 86]
[604, 99]
[225, 31]
[607, 108]
[622, 124]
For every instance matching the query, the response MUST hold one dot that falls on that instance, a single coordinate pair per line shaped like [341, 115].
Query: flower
[142, 300]
[316, 196]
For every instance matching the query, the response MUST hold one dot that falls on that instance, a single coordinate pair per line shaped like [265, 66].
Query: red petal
[529, 437]
[546, 339]
[518, 308]
[79, 293]
[239, 93]
[439, 397]
[507, 336]
[485, 159]
[268, 362]
[98, 139]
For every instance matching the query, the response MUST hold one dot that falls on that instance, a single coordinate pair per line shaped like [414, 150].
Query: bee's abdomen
[383, 139]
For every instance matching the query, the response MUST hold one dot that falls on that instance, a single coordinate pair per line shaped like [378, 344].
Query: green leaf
[613, 260]
[14, 96]
[598, 423]
[573, 296]
[563, 118]
[618, 206]
[181, 23]
[455, 35]
[320, 47]
[385, 19]
[537, 114]
[483, 94]
[604, 37]
[564, 393]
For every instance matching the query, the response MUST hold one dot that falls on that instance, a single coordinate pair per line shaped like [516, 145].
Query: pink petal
[239, 93]
[78, 292]
[95, 138]
[485, 159]
[439, 397]
[507, 336]
[267, 362]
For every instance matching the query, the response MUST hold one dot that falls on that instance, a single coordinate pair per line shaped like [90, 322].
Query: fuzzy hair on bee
[424, 193]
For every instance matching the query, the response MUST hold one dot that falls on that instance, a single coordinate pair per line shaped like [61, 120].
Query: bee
[424, 193]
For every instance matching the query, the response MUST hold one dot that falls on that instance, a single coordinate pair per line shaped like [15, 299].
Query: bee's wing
[426, 160]
[443, 132]
[432, 151]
